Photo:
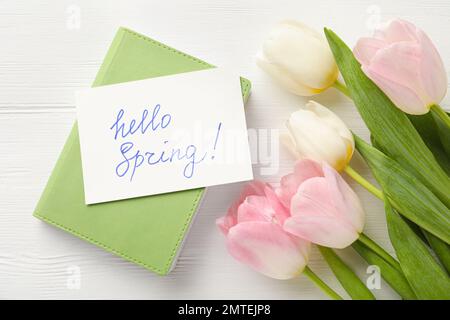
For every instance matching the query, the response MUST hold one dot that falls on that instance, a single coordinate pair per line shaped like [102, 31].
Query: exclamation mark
[217, 137]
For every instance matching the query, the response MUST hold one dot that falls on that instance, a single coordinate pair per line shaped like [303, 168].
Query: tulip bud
[405, 64]
[255, 236]
[324, 209]
[317, 133]
[299, 58]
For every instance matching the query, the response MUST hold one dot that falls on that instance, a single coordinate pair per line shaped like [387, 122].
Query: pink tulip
[324, 209]
[254, 234]
[404, 63]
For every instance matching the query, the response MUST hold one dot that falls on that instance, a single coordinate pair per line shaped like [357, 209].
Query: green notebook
[149, 230]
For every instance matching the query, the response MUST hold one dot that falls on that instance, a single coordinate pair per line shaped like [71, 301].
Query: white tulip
[299, 58]
[317, 133]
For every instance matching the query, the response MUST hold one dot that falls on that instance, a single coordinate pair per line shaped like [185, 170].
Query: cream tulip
[317, 133]
[299, 58]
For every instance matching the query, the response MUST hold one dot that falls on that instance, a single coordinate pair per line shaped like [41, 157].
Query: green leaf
[433, 130]
[389, 126]
[426, 277]
[395, 278]
[427, 128]
[441, 249]
[356, 289]
[409, 196]
[442, 128]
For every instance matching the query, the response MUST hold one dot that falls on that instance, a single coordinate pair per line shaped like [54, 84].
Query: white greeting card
[162, 135]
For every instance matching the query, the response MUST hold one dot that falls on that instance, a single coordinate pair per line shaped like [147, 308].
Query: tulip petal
[330, 118]
[319, 135]
[289, 143]
[344, 144]
[225, 223]
[345, 198]
[301, 54]
[321, 230]
[408, 69]
[432, 70]
[402, 96]
[265, 247]
[303, 170]
[230, 219]
[396, 31]
[319, 216]
[281, 212]
[255, 208]
[284, 78]
[366, 48]
[262, 208]
[399, 62]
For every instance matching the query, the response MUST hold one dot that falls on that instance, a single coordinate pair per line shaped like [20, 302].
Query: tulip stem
[362, 181]
[322, 285]
[440, 113]
[363, 238]
[342, 88]
[372, 245]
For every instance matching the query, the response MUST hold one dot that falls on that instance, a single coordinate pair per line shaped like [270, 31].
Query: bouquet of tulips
[396, 80]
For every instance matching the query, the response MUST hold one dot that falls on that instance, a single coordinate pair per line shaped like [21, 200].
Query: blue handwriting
[152, 121]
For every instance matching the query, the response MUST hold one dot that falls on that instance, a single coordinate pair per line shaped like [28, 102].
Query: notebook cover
[149, 230]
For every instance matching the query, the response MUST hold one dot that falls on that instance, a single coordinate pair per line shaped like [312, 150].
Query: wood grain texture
[46, 55]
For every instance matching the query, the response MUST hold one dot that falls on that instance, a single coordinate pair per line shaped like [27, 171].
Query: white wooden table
[51, 48]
